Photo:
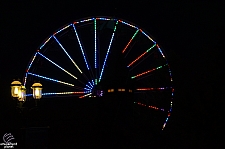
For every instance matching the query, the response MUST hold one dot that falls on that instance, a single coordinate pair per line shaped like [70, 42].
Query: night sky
[189, 32]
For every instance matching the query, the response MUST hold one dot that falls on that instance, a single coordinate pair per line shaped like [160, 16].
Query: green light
[151, 48]
[135, 34]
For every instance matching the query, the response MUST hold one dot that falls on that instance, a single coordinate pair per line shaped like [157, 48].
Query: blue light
[62, 93]
[107, 52]
[63, 28]
[128, 24]
[45, 42]
[161, 52]
[95, 45]
[32, 61]
[148, 37]
[67, 54]
[57, 65]
[106, 19]
[87, 89]
[44, 94]
[80, 46]
[90, 84]
[28, 95]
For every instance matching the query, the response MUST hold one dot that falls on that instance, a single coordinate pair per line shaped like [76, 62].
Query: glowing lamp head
[16, 89]
[37, 90]
[22, 94]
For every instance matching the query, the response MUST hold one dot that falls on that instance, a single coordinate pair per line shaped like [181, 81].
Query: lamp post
[18, 92]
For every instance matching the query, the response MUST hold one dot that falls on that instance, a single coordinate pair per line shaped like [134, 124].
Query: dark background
[190, 32]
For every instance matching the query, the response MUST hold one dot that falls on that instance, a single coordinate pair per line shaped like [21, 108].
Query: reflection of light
[110, 90]
[121, 90]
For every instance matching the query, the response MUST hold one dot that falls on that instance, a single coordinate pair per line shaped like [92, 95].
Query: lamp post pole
[18, 93]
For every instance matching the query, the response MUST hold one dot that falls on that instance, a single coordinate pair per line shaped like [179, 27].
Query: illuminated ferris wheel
[100, 56]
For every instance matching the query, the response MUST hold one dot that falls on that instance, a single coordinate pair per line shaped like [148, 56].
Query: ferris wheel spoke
[63, 93]
[95, 26]
[130, 41]
[50, 79]
[146, 72]
[67, 54]
[60, 93]
[83, 53]
[96, 51]
[85, 95]
[57, 65]
[153, 89]
[92, 81]
[81, 47]
[141, 55]
[151, 107]
[100, 77]
[88, 86]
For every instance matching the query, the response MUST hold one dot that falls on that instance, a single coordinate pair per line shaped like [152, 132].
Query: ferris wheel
[101, 56]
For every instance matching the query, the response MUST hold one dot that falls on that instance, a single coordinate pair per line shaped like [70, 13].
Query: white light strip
[57, 65]
[50, 79]
[67, 54]
[107, 52]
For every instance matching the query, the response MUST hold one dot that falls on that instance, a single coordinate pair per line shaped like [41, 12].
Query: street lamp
[15, 88]
[18, 92]
[37, 91]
